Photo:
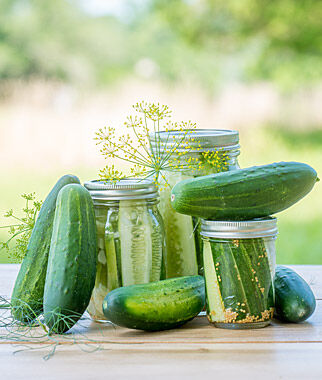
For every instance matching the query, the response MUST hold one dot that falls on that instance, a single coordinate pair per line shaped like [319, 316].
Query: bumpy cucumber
[215, 305]
[71, 267]
[294, 299]
[136, 243]
[238, 281]
[27, 295]
[245, 193]
[180, 257]
[158, 245]
[158, 305]
[101, 283]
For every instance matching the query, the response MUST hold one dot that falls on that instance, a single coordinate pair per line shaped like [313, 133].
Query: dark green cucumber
[244, 194]
[294, 299]
[72, 259]
[157, 305]
[27, 295]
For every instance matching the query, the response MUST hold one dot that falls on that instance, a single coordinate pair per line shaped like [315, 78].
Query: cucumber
[238, 292]
[158, 244]
[180, 258]
[28, 291]
[136, 243]
[215, 305]
[156, 306]
[71, 267]
[101, 283]
[294, 299]
[244, 194]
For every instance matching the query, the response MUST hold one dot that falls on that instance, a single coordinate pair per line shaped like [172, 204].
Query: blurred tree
[280, 40]
[56, 39]
[208, 41]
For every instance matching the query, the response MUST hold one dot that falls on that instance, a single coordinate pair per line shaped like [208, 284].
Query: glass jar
[130, 235]
[239, 268]
[184, 245]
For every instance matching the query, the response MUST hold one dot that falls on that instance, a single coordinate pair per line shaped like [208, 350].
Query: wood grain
[281, 351]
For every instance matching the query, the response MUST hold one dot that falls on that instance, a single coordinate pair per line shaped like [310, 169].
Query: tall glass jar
[184, 246]
[130, 234]
[239, 268]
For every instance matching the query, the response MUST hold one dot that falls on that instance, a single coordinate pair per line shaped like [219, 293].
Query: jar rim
[247, 229]
[200, 140]
[124, 189]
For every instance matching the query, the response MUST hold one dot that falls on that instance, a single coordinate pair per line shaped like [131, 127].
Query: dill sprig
[29, 334]
[135, 147]
[21, 228]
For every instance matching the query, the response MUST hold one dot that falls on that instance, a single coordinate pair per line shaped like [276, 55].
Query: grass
[300, 227]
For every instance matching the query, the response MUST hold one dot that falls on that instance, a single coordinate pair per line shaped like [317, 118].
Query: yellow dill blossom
[217, 160]
[135, 147]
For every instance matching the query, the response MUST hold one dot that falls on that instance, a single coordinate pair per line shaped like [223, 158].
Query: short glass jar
[239, 269]
[130, 235]
[184, 246]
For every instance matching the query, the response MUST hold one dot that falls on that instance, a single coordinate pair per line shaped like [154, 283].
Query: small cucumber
[294, 299]
[157, 305]
[72, 259]
[27, 295]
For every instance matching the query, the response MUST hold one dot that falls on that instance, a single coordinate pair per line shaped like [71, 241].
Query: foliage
[57, 40]
[207, 41]
[22, 229]
[277, 40]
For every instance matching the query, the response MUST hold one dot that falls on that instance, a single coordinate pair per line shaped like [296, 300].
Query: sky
[102, 7]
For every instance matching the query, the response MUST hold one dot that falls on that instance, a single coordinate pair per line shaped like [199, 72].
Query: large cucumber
[294, 299]
[158, 305]
[72, 259]
[27, 295]
[244, 194]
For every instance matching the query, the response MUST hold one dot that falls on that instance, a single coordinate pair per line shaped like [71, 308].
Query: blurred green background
[68, 68]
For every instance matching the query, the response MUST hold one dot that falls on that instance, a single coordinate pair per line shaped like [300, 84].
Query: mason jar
[216, 150]
[130, 236]
[239, 269]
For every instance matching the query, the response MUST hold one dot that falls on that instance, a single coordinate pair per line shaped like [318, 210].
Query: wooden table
[197, 350]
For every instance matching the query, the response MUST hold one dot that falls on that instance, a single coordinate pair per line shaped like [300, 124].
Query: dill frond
[29, 334]
[21, 228]
[135, 147]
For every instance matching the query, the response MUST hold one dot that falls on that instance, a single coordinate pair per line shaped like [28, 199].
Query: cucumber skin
[294, 299]
[244, 193]
[27, 295]
[72, 259]
[157, 305]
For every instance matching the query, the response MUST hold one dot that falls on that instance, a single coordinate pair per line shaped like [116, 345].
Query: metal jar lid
[124, 189]
[255, 228]
[200, 140]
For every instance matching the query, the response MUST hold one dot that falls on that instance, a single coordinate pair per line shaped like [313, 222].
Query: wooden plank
[197, 349]
[275, 361]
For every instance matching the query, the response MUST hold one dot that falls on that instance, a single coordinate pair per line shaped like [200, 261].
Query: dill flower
[147, 158]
